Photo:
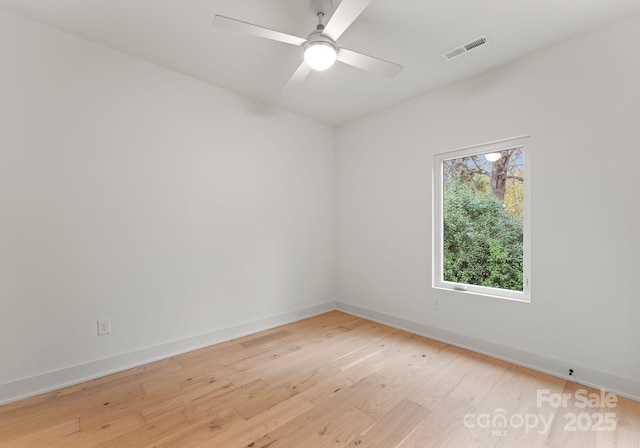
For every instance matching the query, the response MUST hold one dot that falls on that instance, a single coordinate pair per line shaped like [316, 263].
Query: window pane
[483, 210]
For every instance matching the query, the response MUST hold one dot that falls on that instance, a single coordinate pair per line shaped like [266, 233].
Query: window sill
[524, 299]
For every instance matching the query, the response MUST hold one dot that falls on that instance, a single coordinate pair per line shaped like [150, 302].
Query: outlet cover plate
[104, 327]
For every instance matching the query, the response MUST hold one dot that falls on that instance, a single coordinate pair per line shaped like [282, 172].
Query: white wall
[135, 193]
[580, 101]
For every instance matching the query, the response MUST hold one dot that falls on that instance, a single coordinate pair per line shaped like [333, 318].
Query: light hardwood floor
[333, 380]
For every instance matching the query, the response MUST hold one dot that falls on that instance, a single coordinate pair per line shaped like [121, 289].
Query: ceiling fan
[320, 49]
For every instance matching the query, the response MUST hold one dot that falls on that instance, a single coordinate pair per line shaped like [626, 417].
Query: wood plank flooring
[333, 380]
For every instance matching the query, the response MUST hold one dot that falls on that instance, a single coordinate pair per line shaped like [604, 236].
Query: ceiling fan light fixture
[320, 55]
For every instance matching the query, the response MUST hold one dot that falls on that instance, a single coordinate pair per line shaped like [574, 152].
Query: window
[481, 220]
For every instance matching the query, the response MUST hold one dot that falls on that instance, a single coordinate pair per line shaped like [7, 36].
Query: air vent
[476, 43]
[462, 49]
[455, 52]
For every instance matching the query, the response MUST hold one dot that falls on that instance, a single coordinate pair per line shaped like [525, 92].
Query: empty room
[319, 223]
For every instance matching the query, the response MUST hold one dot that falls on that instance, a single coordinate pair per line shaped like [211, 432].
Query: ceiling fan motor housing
[317, 37]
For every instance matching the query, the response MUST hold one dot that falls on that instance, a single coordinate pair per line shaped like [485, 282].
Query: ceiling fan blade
[346, 13]
[255, 30]
[369, 63]
[300, 75]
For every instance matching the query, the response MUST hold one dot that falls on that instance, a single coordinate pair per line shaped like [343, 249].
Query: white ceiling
[178, 34]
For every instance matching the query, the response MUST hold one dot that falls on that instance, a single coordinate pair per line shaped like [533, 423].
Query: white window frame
[523, 142]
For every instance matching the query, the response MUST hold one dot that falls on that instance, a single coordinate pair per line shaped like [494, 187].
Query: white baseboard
[625, 387]
[45, 382]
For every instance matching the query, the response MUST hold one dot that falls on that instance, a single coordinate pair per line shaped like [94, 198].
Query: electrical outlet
[436, 304]
[104, 327]
[301, 290]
